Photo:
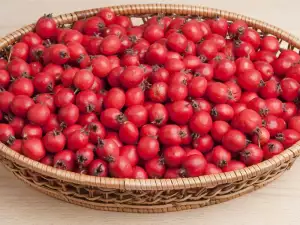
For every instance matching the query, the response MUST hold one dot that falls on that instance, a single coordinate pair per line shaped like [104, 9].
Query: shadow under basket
[151, 195]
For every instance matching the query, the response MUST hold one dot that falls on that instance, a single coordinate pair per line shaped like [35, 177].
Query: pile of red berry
[174, 97]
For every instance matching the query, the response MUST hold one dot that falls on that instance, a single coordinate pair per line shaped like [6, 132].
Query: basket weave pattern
[150, 195]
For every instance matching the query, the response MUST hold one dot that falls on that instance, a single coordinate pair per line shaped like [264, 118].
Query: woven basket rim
[155, 184]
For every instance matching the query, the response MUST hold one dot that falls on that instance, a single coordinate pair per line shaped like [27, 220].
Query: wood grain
[274, 204]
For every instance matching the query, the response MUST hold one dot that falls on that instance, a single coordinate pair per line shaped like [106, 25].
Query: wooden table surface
[276, 204]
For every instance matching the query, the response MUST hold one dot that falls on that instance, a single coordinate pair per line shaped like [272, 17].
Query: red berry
[180, 112]
[130, 152]
[96, 131]
[98, 168]
[203, 143]
[38, 114]
[220, 156]
[272, 148]
[128, 133]
[84, 157]
[137, 114]
[110, 45]
[155, 168]
[64, 160]
[177, 42]
[115, 98]
[200, 122]
[121, 168]
[288, 137]
[174, 156]
[54, 141]
[233, 165]
[78, 139]
[83, 79]
[234, 140]
[147, 148]
[193, 166]
[46, 27]
[170, 135]
[33, 148]
[251, 155]
[108, 150]
[212, 169]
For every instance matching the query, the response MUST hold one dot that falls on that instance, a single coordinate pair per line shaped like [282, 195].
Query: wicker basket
[152, 195]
